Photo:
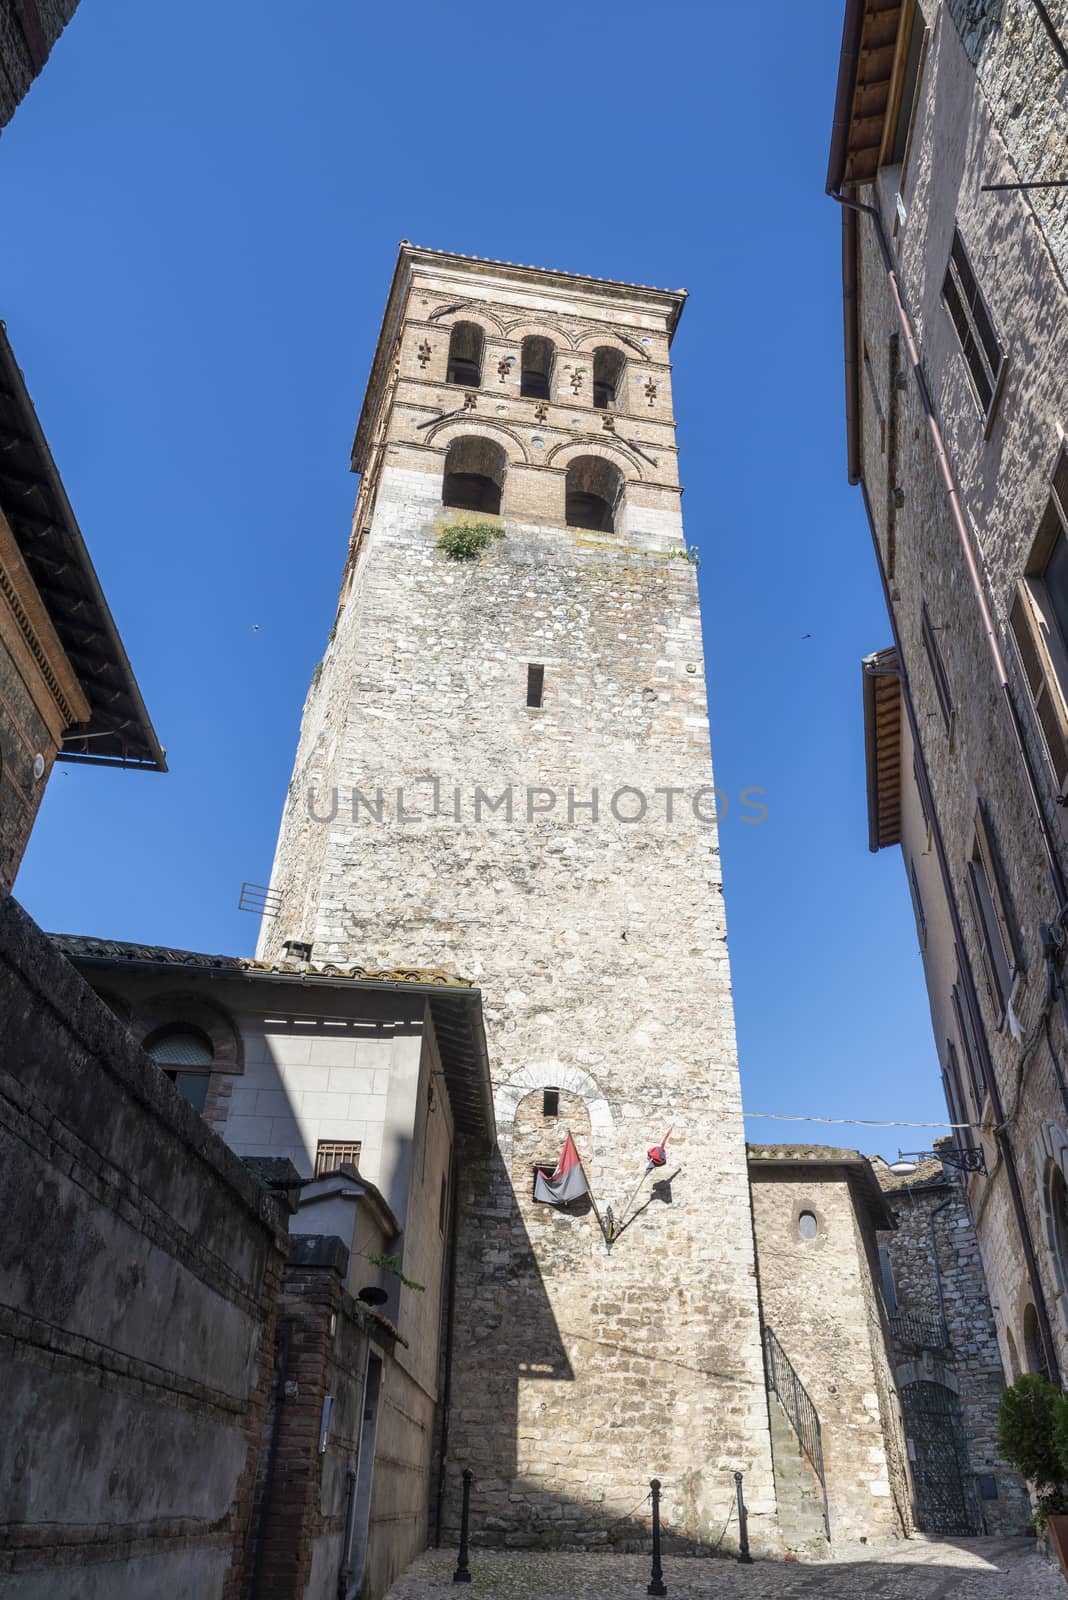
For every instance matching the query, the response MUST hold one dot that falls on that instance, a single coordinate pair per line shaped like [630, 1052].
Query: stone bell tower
[512, 712]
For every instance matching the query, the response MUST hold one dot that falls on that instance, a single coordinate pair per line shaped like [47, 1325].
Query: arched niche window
[474, 475]
[607, 370]
[186, 1056]
[592, 494]
[1056, 1200]
[1034, 1351]
[465, 355]
[537, 367]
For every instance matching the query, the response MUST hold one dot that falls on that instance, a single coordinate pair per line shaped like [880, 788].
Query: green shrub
[465, 541]
[1026, 1437]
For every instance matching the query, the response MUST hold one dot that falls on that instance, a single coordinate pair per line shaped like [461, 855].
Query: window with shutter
[1038, 618]
[917, 905]
[962, 1013]
[983, 355]
[992, 916]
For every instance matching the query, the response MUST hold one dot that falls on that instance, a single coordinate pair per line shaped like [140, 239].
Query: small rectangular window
[330, 1155]
[550, 1102]
[535, 683]
[443, 1202]
[954, 1092]
[886, 1270]
[971, 317]
[938, 670]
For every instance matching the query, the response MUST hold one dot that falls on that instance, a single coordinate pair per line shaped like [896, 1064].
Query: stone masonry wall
[973, 1360]
[139, 1271]
[23, 733]
[598, 942]
[965, 135]
[28, 30]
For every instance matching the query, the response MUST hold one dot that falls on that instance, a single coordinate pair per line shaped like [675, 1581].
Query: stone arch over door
[551, 1074]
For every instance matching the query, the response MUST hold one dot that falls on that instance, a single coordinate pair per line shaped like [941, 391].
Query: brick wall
[139, 1269]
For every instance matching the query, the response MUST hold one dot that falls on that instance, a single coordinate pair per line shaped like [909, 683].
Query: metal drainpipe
[1001, 1133]
[964, 537]
[937, 1264]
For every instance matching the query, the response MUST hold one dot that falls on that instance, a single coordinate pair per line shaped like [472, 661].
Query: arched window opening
[607, 370]
[1034, 1351]
[474, 475]
[537, 367]
[1056, 1198]
[186, 1056]
[465, 355]
[592, 494]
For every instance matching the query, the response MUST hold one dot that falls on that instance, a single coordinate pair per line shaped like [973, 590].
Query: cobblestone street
[967, 1569]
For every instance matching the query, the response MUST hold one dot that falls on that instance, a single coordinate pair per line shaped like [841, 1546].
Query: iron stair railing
[803, 1416]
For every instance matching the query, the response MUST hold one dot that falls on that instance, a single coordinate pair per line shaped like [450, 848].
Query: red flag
[658, 1155]
[567, 1183]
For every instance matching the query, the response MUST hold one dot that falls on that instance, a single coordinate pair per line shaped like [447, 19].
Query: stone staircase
[797, 1489]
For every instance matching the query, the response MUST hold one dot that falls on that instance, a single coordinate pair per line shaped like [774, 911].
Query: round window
[807, 1226]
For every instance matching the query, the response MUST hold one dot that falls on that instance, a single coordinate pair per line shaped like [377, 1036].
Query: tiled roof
[80, 947]
[928, 1174]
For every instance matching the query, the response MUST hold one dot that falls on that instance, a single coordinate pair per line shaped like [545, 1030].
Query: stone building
[944, 1352]
[817, 1214]
[345, 1091]
[949, 133]
[28, 30]
[504, 769]
[66, 687]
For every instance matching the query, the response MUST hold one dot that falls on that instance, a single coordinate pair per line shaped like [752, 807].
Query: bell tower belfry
[504, 771]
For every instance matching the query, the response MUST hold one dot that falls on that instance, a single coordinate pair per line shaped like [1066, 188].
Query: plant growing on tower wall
[465, 541]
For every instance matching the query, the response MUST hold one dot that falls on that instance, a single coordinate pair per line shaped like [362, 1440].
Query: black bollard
[743, 1525]
[463, 1571]
[656, 1577]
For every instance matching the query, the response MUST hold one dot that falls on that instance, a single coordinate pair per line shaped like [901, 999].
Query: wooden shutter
[1045, 695]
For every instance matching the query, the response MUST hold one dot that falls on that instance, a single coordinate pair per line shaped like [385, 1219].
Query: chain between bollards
[743, 1525]
[463, 1571]
[656, 1576]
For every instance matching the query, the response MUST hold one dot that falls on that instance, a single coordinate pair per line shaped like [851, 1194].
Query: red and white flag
[567, 1183]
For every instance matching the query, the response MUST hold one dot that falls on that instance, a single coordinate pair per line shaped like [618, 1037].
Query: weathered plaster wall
[598, 942]
[964, 137]
[139, 1269]
[818, 1297]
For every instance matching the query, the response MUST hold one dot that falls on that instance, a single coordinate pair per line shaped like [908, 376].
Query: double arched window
[474, 475]
[465, 355]
[592, 494]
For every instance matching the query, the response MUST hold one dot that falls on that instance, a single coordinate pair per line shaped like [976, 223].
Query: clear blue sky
[207, 201]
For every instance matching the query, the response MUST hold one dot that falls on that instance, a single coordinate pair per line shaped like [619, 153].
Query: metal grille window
[330, 1155]
[186, 1057]
[1038, 618]
[938, 670]
[979, 343]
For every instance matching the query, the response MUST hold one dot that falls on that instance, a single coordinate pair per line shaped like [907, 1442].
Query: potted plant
[1033, 1438]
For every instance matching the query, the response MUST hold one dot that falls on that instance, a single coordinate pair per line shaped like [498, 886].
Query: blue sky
[208, 201]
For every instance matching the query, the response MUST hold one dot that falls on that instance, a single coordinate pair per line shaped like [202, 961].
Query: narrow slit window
[938, 669]
[550, 1102]
[535, 684]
